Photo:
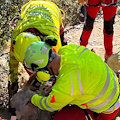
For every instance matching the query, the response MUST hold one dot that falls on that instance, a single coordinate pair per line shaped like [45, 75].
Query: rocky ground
[72, 34]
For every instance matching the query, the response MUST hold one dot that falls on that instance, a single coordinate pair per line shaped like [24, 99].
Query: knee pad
[89, 23]
[108, 26]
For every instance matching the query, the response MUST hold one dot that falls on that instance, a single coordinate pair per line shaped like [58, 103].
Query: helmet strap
[52, 71]
[52, 56]
[54, 77]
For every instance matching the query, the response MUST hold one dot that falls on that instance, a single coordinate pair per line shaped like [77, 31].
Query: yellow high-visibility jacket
[83, 80]
[42, 15]
[45, 16]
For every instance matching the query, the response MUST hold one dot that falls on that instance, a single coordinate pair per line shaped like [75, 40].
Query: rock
[19, 101]
[1, 85]
[29, 111]
[114, 62]
[21, 98]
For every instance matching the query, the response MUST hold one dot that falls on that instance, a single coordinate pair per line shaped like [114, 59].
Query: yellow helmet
[22, 41]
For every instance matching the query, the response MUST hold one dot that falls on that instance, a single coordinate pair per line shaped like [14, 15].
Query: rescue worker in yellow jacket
[83, 79]
[42, 18]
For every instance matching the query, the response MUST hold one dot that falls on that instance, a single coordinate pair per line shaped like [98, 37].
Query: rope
[41, 89]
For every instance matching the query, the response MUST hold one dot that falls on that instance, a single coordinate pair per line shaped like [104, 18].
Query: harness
[37, 33]
[104, 4]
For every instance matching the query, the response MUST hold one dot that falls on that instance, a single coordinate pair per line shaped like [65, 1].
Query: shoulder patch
[52, 99]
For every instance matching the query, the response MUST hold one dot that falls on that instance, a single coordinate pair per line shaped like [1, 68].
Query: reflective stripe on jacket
[84, 80]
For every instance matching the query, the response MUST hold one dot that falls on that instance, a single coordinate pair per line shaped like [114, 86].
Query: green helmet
[37, 55]
[22, 41]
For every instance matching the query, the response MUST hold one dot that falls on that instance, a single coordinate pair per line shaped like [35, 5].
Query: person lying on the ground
[42, 18]
[83, 79]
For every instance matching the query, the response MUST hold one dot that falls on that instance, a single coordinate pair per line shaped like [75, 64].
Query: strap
[94, 5]
[104, 4]
[86, 114]
[63, 13]
[36, 32]
[36, 83]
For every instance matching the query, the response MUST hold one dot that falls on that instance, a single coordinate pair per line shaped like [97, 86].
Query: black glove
[63, 40]
[12, 88]
[35, 85]
[83, 14]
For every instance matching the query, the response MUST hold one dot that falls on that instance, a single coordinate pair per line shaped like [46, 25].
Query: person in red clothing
[75, 113]
[109, 8]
